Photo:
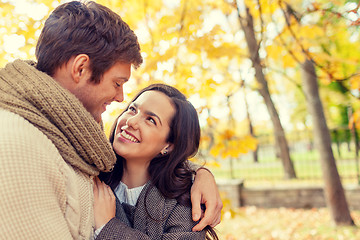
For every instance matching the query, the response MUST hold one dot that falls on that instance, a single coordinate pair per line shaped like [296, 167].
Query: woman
[153, 139]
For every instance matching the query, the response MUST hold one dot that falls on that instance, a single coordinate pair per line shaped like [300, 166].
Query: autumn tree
[250, 123]
[203, 47]
[198, 61]
[247, 25]
[333, 190]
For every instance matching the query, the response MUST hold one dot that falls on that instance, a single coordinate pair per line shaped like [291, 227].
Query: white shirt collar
[126, 195]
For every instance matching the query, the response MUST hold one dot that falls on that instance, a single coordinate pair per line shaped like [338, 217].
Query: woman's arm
[179, 225]
[116, 229]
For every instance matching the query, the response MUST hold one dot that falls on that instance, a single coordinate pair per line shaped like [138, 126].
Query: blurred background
[276, 85]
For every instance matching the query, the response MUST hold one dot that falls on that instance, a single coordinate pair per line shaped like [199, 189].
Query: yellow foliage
[219, 4]
[274, 51]
[355, 82]
[48, 3]
[107, 128]
[212, 52]
[289, 61]
[6, 9]
[267, 7]
[227, 135]
[227, 49]
[212, 121]
[216, 149]
[205, 138]
[299, 56]
[207, 89]
[228, 145]
[310, 32]
[212, 164]
[232, 149]
[251, 142]
[355, 120]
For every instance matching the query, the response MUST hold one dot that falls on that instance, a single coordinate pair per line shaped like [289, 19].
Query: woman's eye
[152, 120]
[132, 109]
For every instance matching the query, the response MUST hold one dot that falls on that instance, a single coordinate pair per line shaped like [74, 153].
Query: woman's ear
[167, 149]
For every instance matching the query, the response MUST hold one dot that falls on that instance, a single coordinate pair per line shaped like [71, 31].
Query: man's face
[95, 97]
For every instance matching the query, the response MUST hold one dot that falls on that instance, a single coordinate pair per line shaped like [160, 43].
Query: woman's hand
[104, 203]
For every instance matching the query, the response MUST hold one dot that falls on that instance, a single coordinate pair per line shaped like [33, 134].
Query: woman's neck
[135, 174]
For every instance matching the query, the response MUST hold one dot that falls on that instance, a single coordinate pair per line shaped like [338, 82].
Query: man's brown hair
[86, 28]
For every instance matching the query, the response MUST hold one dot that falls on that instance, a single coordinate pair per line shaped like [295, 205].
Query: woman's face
[142, 130]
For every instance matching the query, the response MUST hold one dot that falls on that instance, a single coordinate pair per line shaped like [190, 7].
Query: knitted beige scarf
[56, 112]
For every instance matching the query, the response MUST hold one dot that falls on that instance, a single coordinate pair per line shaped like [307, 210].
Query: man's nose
[119, 97]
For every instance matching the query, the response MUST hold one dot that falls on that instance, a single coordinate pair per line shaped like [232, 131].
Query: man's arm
[205, 191]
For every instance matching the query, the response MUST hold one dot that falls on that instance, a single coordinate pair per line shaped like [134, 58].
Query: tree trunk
[280, 139]
[251, 129]
[333, 190]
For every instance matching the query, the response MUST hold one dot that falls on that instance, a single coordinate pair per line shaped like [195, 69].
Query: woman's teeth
[129, 137]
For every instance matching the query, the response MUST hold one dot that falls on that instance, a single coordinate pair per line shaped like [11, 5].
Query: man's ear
[167, 149]
[80, 68]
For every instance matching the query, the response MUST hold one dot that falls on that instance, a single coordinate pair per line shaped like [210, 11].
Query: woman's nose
[133, 121]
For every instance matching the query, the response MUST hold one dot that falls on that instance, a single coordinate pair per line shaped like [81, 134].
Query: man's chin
[97, 118]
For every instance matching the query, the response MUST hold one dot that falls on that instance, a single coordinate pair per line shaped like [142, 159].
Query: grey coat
[169, 219]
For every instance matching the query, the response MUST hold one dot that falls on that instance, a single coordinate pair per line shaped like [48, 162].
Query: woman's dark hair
[170, 173]
[88, 28]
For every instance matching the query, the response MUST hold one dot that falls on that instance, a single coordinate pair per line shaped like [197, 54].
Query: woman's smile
[128, 136]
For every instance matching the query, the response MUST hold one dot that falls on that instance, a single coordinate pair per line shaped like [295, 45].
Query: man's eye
[118, 84]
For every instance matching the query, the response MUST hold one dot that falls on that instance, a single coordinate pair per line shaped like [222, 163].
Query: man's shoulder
[12, 124]
[17, 134]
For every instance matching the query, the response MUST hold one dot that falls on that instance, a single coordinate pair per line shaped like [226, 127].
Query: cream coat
[41, 196]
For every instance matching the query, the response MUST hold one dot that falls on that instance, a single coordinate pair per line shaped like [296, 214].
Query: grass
[251, 223]
[269, 169]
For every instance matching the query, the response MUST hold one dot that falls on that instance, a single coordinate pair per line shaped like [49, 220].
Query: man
[51, 142]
